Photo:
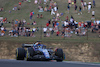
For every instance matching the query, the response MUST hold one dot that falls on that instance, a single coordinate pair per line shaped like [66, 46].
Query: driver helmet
[36, 43]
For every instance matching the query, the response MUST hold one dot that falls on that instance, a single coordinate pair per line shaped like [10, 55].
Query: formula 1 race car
[38, 51]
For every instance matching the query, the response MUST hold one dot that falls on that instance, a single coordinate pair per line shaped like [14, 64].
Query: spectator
[24, 21]
[15, 8]
[29, 1]
[9, 11]
[72, 3]
[45, 9]
[89, 3]
[40, 2]
[48, 34]
[19, 4]
[99, 29]
[41, 9]
[57, 15]
[55, 9]
[44, 30]
[31, 15]
[47, 25]
[38, 16]
[80, 10]
[76, 24]
[92, 26]
[69, 2]
[89, 8]
[55, 4]
[82, 1]
[33, 30]
[82, 4]
[85, 5]
[52, 31]
[0, 32]
[52, 11]
[2, 28]
[61, 14]
[41, 16]
[93, 3]
[45, 1]
[68, 8]
[36, 2]
[67, 18]
[57, 33]
[75, 8]
[93, 14]
[12, 24]
[16, 22]
[75, 1]
[19, 23]
[49, 21]
[1, 9]
[34, 23]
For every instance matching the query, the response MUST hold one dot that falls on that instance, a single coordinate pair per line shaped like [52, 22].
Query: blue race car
[38, 51]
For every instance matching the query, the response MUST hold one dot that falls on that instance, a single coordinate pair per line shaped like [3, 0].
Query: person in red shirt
[31, 14]
[79, 24]
[57, 33]
[47, 24]
[67, 18]
[92, 26]
[19, 4]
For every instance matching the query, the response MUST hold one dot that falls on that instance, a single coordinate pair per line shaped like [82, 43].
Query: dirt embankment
[85, 52]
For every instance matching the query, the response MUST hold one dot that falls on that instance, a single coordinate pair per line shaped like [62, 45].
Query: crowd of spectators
[69, 26]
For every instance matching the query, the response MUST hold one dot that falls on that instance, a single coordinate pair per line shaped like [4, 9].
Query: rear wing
[27, 45]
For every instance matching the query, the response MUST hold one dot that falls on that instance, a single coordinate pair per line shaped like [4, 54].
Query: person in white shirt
[85, 5]
[2, 28]
[89, 8]
[44, 30]
[57, 14]
[36, 2]
[34, 29]
[97, 22]
[55, 9]
[50, 29]
[52, 11]
[93, 14]
[65, 23]
[89, 3]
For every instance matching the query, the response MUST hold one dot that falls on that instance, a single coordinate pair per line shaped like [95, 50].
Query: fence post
[87, 33]
[64, 34]
[41, 33]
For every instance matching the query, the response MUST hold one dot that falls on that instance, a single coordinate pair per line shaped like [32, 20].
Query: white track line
[81, 63]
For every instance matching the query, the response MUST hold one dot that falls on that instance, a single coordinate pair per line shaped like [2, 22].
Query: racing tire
[20, 53]
[30, 53]
[59, 53]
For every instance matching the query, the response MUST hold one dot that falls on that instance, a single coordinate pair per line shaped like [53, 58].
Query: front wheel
[20, 53]
[59, 53]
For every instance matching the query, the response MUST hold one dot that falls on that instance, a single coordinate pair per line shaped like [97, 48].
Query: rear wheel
[30, 53]
[59, 54]
[20, 53]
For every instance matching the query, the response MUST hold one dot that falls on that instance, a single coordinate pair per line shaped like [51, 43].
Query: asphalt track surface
[16, 63]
